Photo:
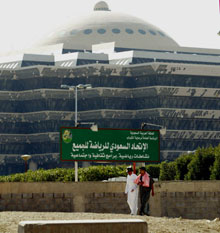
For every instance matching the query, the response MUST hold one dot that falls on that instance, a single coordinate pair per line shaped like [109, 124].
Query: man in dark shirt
[145, 183]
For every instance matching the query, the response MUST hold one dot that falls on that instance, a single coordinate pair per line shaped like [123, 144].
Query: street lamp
[25, 158]
[162, 128]
[75, 88]
[94, 126]
[191, 152]
[162, 131]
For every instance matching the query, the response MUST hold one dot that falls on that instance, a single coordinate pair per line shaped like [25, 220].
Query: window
[11, 65]
[70, 63]
[141, 31]
[66, 64]
[15, 65]
[88, 31]
[62, 33]
[73, 32]
[101, 31]
[129, 31]
[161, 33]
[152, 32]
[116, 30]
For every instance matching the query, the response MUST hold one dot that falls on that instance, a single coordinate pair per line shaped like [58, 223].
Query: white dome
[103, 26]
[101, 6]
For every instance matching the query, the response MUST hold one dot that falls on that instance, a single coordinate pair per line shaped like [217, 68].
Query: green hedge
[153, 170]
[199, 166]
[167, 170]
[204, 164]
[182, 166]
[98, 173]
[58, 174]
[215, 169]
[93, 173]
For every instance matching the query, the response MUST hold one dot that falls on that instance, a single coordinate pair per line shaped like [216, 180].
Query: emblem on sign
[67, 136]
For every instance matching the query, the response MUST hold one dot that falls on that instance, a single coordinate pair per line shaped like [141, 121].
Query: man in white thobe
[131, 190]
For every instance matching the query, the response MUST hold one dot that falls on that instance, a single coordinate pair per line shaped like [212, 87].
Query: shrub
[182, 166]
[98, 173]
[153, 170]
[199, 166]
[58, 174]
[204, 164]
[167, 170]
[93, 173]
[215, 169]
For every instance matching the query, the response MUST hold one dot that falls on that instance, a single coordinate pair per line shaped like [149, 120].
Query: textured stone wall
[65, 202]
[61, 202]
[95, 197]
[187, 199]
[193, 200]
[106, 203]
[193, 205]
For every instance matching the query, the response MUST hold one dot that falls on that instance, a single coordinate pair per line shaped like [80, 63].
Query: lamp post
[75, 88]
[191, 152]
[162, 128]
[162, 132]
[25, 158]
[93, 127]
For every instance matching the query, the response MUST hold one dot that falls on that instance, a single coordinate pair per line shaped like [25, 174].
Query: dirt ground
[9, 221]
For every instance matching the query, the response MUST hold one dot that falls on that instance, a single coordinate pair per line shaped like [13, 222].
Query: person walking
[131, 190]
[145, 183]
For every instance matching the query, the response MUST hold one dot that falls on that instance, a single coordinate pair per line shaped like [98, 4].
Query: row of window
[121, 62]
[34, 63]
[81, 62]
[144, 60]
[117, 31]
[67, 64]
[9, 66]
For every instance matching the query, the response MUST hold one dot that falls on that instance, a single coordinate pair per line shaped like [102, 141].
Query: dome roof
[101, 6]
[103, 26]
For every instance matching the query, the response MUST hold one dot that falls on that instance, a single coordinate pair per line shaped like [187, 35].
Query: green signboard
[82, 144]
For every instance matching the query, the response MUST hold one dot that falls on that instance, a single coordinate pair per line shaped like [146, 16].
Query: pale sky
[191, 23]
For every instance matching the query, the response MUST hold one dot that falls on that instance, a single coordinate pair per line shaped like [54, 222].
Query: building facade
[138, 74]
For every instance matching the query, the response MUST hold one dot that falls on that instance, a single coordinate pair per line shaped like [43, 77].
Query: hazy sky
[192, 23]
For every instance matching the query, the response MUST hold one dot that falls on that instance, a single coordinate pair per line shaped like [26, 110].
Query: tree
[153, 170]
[199, 167]
[182, 166]
[167, 170]
[215, 169]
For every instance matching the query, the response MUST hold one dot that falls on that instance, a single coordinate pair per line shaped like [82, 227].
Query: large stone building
[138, 74]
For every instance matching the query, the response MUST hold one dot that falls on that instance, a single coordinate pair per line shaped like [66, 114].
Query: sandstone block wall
[95, 197]
[187, 199]
[193, 205]
[106, 203]
[65, 202]
[61, 202]
[193, 199]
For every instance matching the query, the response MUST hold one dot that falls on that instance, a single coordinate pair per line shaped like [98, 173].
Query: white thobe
[131, 190]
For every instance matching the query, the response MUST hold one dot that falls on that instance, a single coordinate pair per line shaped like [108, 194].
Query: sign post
[122, 145]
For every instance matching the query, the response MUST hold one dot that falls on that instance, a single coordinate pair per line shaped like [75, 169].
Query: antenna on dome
[101, 6]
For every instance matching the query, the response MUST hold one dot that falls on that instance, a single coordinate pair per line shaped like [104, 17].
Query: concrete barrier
[84, 226]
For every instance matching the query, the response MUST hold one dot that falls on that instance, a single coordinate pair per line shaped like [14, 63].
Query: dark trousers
[144, 198]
